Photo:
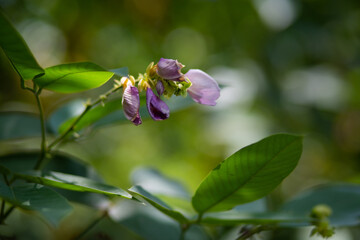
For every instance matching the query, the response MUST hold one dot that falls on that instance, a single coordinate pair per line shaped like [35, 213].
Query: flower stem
[43, 133]
[93, 224]
[6, 214]
[89, 106]
[184, 228]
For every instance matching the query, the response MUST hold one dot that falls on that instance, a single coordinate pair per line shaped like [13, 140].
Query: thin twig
[93, 224]
[2, 208]
[7, 213]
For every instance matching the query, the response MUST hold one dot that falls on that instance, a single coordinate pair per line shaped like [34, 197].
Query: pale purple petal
[160, 88]
[204, 89]
[131, 104]
[157, 108]
[169, 69]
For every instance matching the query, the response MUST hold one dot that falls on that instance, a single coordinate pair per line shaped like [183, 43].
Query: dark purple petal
[204, 89]
[131, 104]
[169, 69]
[157, 108]
[160, 88]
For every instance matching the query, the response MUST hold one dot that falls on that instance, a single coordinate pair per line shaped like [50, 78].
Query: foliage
[36, 181]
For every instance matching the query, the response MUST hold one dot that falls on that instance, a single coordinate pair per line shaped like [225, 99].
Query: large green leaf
[73, 77]
[60, 162]
[17, 51]
[72, 182]
[38, 198]
[343, 199]
[249, 174]
[157, 203]
[19, 125]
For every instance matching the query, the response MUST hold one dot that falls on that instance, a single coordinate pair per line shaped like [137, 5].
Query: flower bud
[131, 104]
[169, 69]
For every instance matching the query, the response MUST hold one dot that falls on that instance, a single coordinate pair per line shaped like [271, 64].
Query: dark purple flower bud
[204, 89]
[169, 69]
[157, 108]
[160, 88]
[131, 104]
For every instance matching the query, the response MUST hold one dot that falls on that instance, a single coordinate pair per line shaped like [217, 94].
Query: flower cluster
[166, 79]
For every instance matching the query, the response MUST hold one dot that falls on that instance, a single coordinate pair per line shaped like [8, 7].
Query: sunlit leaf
[15, 125]
[34, 197]
[249, 174]
[158, 204]
[343, 199]
[17, 51]
[73, 77]
[72, 182]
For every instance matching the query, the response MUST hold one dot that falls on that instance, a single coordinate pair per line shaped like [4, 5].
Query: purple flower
[131, 104]
[160, 88]
[204, 89]
[169, 69]
[157, 108]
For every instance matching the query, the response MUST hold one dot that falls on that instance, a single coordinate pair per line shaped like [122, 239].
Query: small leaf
[343, 199]
[50, 204]
[17, 51]
[72, 182]
[249, 174]
[120, 72]
[158, 204]
[15, 125]
[73, 77]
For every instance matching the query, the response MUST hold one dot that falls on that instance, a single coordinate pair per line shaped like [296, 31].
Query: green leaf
[72, 182]
[158, 204]
[50, 204]
[15, 125]
[17, 51]
[73, 77]
[249, 174]
[343, 199]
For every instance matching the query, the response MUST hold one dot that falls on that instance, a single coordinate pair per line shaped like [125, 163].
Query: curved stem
[184, 228]
[6, 214]
[89, 106]
[43, 133]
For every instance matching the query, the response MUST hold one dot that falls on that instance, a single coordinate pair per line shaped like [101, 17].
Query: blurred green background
[285, 66]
